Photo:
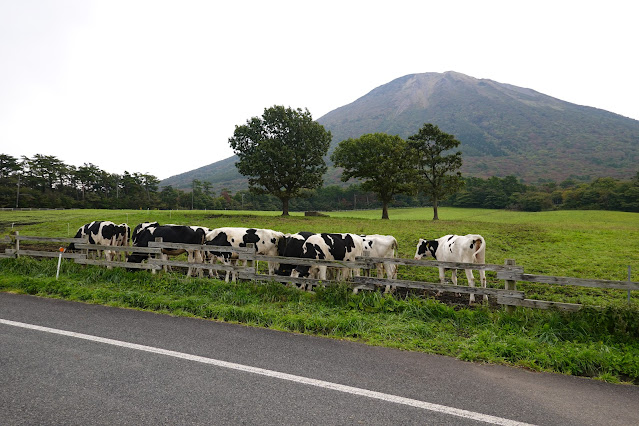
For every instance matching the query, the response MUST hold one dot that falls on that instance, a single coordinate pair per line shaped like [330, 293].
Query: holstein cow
[456, 248]
[291, 246]
[344, 247]
[266, 243]
[102, 233]
[121, 238]
[139, 228]
[169, 234]
[384, 246]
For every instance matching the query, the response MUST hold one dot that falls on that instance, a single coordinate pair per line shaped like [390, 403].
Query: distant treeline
[46, 182]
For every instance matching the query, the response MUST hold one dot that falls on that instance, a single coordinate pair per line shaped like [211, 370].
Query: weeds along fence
[247, 269]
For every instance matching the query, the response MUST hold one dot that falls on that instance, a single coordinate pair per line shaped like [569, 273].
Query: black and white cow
[103, 233]
[139, 228]
[292, 245]
[344, 247]
[121, 237]
[456, 248]
[384, 246]
[169, 234]
[266, 243]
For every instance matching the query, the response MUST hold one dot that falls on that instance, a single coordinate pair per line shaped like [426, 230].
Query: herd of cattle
[304, 245]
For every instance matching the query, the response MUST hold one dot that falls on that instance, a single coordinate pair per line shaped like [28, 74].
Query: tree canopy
[281, 153]
[438, 170]
[383, 162]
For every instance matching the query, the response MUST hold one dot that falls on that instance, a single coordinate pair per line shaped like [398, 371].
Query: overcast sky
[159, 86]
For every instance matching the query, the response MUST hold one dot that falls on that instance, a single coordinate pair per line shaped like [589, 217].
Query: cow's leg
[234, 263]
[442, 279]
[453, 278]
[227, 277]
[471, 283]
[189, 259]
[356, 272]
[390, 269]
[109, 256]
[213, 273]
[482, 279]
[194, 256]
[344, 274]
[321, 272]
[199, 258]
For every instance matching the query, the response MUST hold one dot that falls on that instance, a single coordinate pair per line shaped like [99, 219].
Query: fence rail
[509, 272]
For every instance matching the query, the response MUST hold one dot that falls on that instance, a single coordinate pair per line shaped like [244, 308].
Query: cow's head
[311, 251]
[137, 257]
[426, 248]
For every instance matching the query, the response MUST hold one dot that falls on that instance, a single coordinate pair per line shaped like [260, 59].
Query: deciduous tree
[384, 163]
[438, 167]
[281, 153]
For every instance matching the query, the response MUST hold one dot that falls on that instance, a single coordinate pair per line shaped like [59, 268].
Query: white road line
[278, 375]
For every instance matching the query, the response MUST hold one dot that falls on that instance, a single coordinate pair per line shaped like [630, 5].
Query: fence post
[510, 285]
[629, 275]
[252, 263]
[157, 240]
[17, 233]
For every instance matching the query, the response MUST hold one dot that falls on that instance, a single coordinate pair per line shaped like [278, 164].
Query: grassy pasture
[602, 343]
[581, 244]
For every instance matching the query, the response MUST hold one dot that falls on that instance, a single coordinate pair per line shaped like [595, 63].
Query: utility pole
[18, 195]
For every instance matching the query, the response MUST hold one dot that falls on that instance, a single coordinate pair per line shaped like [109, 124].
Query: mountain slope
[504, 129]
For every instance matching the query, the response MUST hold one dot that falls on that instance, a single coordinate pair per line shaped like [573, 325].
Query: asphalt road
[76, 364]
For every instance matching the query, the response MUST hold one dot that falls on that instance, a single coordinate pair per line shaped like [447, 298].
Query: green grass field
[601, 342]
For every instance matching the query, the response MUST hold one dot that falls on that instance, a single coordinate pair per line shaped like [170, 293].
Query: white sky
[159, 86]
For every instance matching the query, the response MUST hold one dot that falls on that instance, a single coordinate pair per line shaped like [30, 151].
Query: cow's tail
[395, 247]
[479, 255]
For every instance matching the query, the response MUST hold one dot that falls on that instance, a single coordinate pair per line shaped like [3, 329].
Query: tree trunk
[435, 216]
[285, 207]
[384, 210]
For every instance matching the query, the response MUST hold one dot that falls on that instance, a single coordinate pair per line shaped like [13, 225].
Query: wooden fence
[510, 272]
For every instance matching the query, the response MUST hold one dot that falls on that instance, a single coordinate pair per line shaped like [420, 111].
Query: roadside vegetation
[600, 341]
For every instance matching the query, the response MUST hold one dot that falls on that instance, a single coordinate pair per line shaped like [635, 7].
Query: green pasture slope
[600, 342]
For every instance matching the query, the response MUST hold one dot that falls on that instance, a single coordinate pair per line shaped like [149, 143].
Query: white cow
[456, 248]
[384, 246]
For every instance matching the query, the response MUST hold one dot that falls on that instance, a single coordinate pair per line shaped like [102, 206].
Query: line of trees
[46, 182]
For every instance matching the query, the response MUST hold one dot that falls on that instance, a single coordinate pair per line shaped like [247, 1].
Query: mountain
[504, 130]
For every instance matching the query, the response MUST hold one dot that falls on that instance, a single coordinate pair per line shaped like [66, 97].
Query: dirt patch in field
[456, 300]
[8, 225]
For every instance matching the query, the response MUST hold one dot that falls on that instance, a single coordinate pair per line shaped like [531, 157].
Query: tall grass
[594, 343]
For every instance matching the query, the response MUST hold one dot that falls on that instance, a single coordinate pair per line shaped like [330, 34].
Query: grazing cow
[102, 233]
[266, 243]
[456, 248]
[121, 238]
[344, 247]
[141, 227]
[291, 246]
[169, 234]
[384, 246]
